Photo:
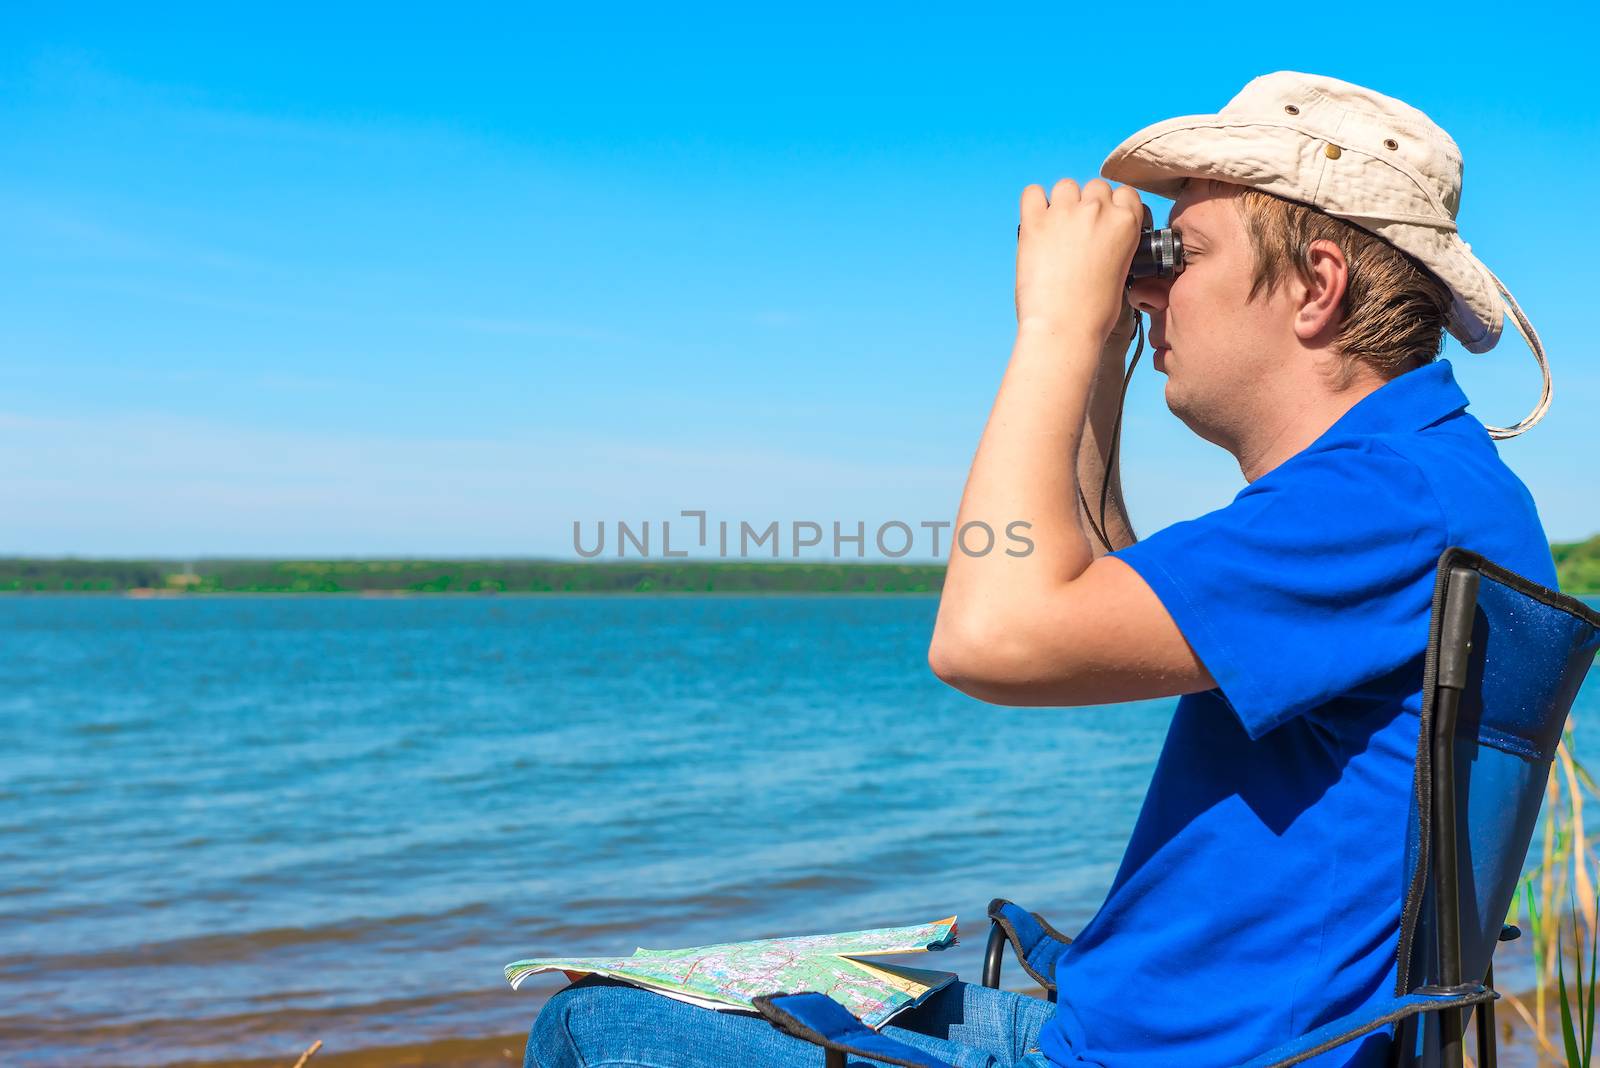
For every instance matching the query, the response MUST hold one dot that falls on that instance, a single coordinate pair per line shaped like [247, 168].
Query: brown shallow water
[445, 1053]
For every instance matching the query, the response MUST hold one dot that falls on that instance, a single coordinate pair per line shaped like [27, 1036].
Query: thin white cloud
[59, 230]
[164, 484]
[533, 328]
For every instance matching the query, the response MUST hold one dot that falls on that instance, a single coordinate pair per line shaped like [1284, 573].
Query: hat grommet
[1291, 109]
[1391, 144]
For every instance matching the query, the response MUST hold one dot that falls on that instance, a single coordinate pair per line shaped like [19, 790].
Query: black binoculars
[1159, 254]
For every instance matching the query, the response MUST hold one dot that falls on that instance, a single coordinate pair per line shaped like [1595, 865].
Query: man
[1260, 893]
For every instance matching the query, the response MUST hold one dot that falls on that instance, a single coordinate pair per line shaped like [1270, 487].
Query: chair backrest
[1505, 660]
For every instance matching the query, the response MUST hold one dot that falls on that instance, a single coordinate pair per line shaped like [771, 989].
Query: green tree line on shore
[1577, 564]
[30, 575]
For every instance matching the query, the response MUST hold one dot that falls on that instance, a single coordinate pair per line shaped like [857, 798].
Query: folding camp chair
[1504, 661]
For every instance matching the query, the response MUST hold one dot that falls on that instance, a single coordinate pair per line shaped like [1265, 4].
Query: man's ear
[1318, 315]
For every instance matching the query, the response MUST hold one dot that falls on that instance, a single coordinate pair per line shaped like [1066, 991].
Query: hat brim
[1262, 155]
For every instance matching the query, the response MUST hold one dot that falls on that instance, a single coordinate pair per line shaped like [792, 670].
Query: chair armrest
[1038, 946]
[818, 1019]
[1364, 1021]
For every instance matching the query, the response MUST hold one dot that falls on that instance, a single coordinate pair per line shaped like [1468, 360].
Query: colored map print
[728, 976]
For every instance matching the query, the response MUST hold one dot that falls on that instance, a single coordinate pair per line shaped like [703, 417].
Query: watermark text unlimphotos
[742, 539]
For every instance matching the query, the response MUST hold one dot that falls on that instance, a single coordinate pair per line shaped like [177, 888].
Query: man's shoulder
[1327, 564]
[1368, 482]
[1484, 505]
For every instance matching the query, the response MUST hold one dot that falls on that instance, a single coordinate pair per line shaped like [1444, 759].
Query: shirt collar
[1411, 401]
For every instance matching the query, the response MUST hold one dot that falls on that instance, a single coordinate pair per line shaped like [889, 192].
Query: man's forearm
[1005, 613]
[1098, 461]
[1026, 470]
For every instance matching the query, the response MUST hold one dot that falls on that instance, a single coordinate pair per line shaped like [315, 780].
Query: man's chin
[1181, 406]
[1195, 416]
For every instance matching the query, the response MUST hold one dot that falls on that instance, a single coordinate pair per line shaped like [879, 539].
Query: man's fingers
[1033, 204]
[1097, 189]
[1067, 191]
[1128, 197]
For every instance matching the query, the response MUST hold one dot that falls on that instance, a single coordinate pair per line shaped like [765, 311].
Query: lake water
[229, 826]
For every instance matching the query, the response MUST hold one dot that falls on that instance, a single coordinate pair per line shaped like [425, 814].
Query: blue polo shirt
[1260, 894]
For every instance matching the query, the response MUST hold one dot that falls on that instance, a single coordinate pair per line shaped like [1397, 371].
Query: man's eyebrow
[1189, 230]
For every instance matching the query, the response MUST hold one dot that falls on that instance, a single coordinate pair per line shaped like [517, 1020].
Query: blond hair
[1394, 309]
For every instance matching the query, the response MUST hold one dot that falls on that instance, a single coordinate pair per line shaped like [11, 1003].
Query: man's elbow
[1001, 667]
[949, 661]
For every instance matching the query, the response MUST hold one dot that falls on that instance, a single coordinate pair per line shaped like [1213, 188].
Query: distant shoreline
[398, 578]
[1577, 564]
[448, 595]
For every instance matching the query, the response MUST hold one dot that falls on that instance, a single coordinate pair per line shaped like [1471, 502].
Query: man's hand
[1073, 254]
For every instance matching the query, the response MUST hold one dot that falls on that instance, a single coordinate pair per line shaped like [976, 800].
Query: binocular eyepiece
[1159, 254]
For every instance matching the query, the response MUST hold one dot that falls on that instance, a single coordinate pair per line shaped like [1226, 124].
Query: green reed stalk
[1578, 1038]
[1566, 870]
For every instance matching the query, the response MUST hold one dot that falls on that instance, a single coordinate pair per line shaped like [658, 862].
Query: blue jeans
[599, 1022]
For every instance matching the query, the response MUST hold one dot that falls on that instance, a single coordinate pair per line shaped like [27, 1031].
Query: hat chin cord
[1531, 338]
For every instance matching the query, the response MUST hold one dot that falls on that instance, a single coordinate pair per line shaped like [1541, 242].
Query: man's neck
[1303, 416]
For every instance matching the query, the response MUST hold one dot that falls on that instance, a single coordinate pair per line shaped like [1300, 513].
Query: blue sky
[353, 283]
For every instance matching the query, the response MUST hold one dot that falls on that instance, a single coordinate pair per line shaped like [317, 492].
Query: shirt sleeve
[1318, 578]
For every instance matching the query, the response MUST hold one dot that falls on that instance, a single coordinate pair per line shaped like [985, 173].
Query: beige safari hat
[1358, 155]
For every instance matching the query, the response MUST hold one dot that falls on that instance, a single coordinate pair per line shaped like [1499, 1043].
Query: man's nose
[1149, 294]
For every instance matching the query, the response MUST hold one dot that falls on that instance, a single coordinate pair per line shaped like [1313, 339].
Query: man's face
[1216, 348]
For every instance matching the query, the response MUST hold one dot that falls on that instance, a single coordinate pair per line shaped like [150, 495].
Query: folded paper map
[726, 977]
